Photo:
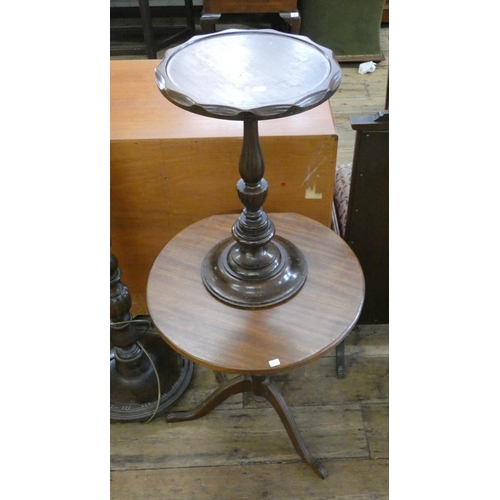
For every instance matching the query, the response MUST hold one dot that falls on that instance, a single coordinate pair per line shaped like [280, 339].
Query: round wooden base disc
[283, 282]
[136, 399]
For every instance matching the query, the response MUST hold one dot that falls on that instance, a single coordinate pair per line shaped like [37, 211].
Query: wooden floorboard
[347, 480]
[243, 436]
[241, 449]
[376, 421]
[359, 95]
[317, 383]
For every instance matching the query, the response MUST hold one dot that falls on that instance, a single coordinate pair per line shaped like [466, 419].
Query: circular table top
[235, 74]
[255, 341]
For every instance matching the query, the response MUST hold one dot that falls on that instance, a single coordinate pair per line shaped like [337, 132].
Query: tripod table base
[261, 387]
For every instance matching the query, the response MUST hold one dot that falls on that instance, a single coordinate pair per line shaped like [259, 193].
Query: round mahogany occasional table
[255, 343]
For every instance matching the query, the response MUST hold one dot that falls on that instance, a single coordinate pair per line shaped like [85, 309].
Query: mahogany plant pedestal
[250, 75]
[146, 375]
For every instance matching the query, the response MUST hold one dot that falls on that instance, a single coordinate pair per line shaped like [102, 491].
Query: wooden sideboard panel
[162, 184]
[237, 6]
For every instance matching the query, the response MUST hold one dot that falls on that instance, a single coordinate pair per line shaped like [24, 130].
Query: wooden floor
[359, 95]
[241, 450]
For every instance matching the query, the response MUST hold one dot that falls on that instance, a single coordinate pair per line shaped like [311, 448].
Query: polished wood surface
[244, 341]
[246, 71]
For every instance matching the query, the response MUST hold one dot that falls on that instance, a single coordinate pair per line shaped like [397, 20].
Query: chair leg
[190, 16]
[147, 28]
[340, 360]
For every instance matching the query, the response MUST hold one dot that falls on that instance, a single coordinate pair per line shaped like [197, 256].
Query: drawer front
[248, 6]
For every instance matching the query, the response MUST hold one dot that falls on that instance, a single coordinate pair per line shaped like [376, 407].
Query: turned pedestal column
[146, 375]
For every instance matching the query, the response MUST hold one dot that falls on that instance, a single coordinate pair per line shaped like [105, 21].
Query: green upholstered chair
[351, 28]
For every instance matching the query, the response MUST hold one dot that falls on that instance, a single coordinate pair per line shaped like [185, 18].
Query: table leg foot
[268, 390]
[229, 388]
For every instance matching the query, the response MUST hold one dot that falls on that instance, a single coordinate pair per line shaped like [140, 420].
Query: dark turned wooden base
[254, 268]
[262, 388]
[242, 286]
[134, 392]
[146, 375]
